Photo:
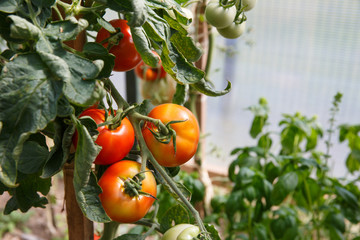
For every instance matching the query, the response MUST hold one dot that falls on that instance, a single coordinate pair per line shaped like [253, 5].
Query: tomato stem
[109, 232]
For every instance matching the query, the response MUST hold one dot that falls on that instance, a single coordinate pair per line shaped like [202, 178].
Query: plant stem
[109, 232]
[135, 119]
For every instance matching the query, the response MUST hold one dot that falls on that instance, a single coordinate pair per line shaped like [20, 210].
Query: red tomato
[96, 237]
[126, 55]
[119, 205]
[187, 135]
[116, 143]
[147, 73]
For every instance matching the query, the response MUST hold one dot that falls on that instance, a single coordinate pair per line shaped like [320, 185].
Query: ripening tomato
[116, 143]
[126, 55]
[147, 73]
[119, 205]
[187, 135]
[158, 91]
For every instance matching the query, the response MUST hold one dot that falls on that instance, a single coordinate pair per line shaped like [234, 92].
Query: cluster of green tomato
[227, 16]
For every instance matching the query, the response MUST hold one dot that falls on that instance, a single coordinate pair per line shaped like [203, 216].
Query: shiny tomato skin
[116, 144]
[126, 55]
[187, 135]
[118, 205]
[147, 73]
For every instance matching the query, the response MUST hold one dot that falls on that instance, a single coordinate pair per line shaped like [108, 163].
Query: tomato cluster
[127, 192]
[228, 19]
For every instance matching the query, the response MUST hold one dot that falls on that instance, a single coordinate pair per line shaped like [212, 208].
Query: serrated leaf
[67, 29]
[26, 76]
[175, 215]
[214, 234]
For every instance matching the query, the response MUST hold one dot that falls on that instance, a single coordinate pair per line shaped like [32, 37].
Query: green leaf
[26, 196]
[286, 184]
[138, 15]
[205, 87]
[85, 183]
[260, 231]
[212, 231]
[181, 94]
[94, 51]
[348, 197]
[23, 29]
[257, 125]
[353, 161]
[9, 6]
[32, 158]
[80, 84]
[335, 234]
[58, 67]
[61, 151]
[25, 76]
[186, 46]
[143, 46]
[67, 29]
[175, 215]
[336, 220]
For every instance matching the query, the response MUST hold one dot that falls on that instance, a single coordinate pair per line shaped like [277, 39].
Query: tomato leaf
[85, 184]
[186, 45]
[213, 232]
[137, 17]
[67, 29]
[181, 94]
[23, 29]
[93, 51]
[175, 215]
[143, 46]
[60, 152]
[28, 114]
[26, 194]
[32, 158]
[205, 87]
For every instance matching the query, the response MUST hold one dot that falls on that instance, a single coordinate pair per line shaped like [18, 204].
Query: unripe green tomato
[218, 16]
[248, 4]
[233, 31]
[181, 232]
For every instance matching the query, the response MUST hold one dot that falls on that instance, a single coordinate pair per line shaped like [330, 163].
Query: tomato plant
[116, 143]
[148, 73]
[187, 135]
[218, 15]
[181, 232]
[121, 201]
[234, 30]
[126, 55]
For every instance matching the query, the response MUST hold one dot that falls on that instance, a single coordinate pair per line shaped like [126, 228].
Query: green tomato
[233, 31]
[218, 16]
[181, 232]
[248, 4]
